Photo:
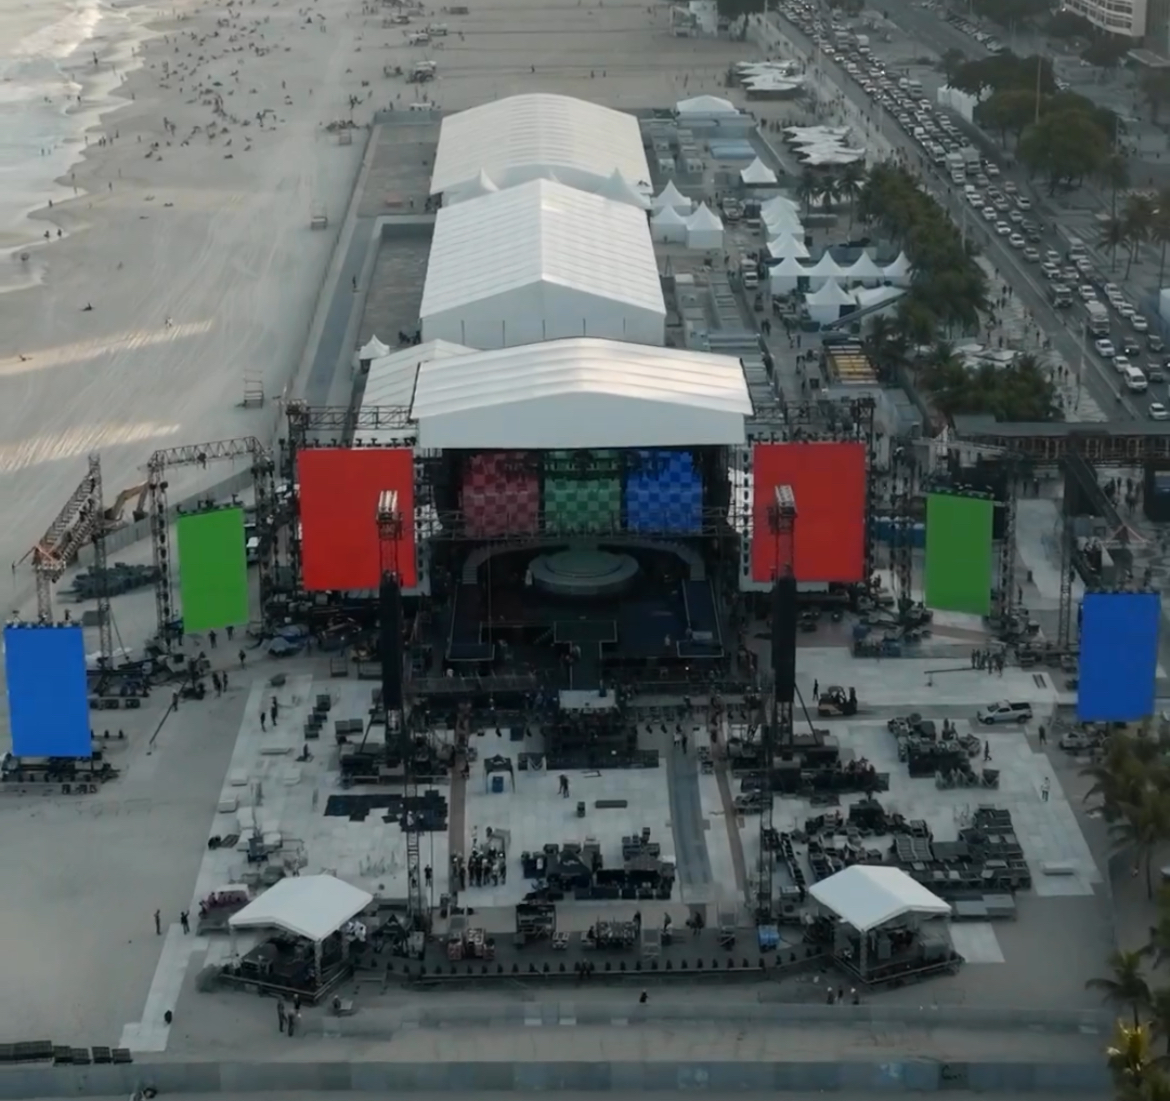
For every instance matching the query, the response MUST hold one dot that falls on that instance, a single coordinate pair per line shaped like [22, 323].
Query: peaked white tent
[672, 197]
[864, 270]
[757, 173]
[824, 305]
[825, 268]
[899, 270]
[481, 184]
[620, 190]
[866, 896]
[784, 275]
[668, 225]
[372, 349]
[785, 244]
[704, 229]
[705, 107]
[779, 206]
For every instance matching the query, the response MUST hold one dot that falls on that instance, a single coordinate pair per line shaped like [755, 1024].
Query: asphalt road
[1064, 327]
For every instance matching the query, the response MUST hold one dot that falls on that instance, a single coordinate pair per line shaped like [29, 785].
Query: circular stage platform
[583, 572]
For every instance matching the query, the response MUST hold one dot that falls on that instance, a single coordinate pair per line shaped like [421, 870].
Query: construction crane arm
[51, 551]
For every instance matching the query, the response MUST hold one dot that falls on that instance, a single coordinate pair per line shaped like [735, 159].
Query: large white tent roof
[523, 137]
[541, 231]
[391, 378]
[866, 896]
[830, 294]
[705, 105]
[671, 196]
[582, 392]
[309, 906]
[786, 245]
[757, 173]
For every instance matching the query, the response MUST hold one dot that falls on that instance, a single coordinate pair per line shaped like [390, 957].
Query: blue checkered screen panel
[664, 492]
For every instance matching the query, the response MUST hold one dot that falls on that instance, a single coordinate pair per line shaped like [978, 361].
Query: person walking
[1044, 789]
[157, 923]
[185, 921]
[274, 710]
[211, 637]
[263, 718]
[280, 1014]
[243, 659]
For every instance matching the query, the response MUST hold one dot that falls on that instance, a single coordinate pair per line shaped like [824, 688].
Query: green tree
[1007, 112]
[951, 62]
[1144, 824]
[1160, 230]
[807, 188]
[1067, 24]
[1125, 987]
[1130, 1062]
[849, 184]
[1066, 146]
[1105, 51]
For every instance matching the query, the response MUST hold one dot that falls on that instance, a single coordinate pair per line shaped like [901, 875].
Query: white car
[1111, 291]
[1023, 202]
[989, 213]
[1004, 229]
[1031, 255]
[1104, 348]
[992, 170]
[1087, 293]
[1052, 256]
[1159, 412]
[1140, 323]
[1016, 240]
[1126, 309]
[1004, 712]
[1121, 364]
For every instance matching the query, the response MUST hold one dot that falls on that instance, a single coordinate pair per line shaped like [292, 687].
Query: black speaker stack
[390, 597]
[784, 617]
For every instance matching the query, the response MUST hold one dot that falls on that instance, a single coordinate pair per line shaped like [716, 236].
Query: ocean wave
[57, 40]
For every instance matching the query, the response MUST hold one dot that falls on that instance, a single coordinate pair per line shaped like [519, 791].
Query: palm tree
[849, 185]
[1114, 174]
[828, 193]
[1138, 217]
[1158, 947]
[1160, 230]
[1129, 1059]
[1113, 235]
[807, 188]
[1144, 824]
[1160, 1017]
[1126, 988]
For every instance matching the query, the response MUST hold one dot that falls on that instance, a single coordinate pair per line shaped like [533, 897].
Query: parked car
[1005, 711]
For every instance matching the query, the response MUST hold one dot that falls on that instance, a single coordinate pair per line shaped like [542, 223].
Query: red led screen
[828, 481]
[501, 494]
[339, 491]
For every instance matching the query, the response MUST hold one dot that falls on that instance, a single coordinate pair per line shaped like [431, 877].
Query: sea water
[47, 50]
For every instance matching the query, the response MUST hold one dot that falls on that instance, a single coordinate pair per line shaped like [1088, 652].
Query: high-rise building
[1125, 17]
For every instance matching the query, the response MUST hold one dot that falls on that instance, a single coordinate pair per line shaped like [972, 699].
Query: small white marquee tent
[668, 225]
[787, 245]
[824, 305]
[705, 107]
[784, 275]
[704, 229]
[864, 270]
[899, 270]
[672, 197]
[620, 190]
[757, 173]
[372, 349]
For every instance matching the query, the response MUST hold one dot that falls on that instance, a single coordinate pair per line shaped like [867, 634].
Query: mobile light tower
[390, 527]
[777, 727]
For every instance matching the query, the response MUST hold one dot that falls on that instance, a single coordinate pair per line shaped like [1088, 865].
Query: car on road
[1131, 347]
[989, 213]
[1015, 217]
[1140, 323]
[1105, 348]
[1005, 711]
[1016, 240]
[1155, 373]
[1158, 412]
[1155, 343]
[1023, 202]
[1125, 309]
[1052, 256]
[1004, 229]
[1031, 255]
[992, 170]
[1121, 364]
[981, 179]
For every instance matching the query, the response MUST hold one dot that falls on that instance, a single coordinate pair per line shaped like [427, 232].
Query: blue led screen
[664, 492]
[1119, 656]
[48, 700]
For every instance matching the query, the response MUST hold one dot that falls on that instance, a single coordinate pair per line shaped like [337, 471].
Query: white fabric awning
[757, 173]
[373, 349]
[866, 896]
[309, 906]
[786, 245]
[830, 294]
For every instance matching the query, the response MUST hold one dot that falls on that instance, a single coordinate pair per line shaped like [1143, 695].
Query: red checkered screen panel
[501, 494]
[339, 492]
[828, 481]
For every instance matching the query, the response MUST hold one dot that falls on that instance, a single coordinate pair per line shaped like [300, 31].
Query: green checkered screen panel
[580, 496]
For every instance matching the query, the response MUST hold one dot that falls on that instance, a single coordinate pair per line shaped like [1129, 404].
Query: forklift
[837, 701]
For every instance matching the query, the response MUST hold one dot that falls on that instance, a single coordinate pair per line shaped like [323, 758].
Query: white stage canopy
[620, 190]
[704, 229]
[899, 269]
[581, 393]
[668, 225]
[863, 268]
[866, 896]
[309, 906]
[785, 245]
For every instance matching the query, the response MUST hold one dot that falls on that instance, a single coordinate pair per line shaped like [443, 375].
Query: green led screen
[582, 491]
[213, 569]
[958, 553]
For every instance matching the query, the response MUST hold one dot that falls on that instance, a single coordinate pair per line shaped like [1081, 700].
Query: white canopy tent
[779, 206]
[824, 305]
[309, 906]
[668, 225]
[899, 270]
[864, 270]
[785, 244]
[757, 173]
[704, 229]
[672, 197]
[867, 895]
[372, 349]
[783, 276]
[620, 190]
[705, 107]
[825, 268]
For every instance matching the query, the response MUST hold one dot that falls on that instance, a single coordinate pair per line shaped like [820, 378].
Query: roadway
[1064, 327]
